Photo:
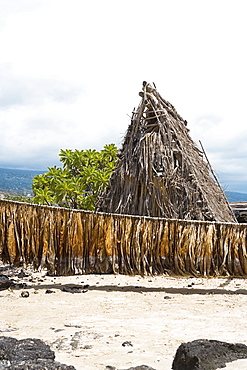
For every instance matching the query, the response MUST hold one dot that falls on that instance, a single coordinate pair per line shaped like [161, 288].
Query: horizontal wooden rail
[67, 241]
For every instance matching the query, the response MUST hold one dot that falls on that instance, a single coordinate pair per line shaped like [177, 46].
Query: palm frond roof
[160, 171]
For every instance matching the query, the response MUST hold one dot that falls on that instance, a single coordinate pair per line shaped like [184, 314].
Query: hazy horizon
[234, 187]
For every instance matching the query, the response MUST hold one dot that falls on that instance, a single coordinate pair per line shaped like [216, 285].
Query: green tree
[80, 181]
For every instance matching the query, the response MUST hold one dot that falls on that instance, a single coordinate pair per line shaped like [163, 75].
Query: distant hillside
[236, 197]
[17, 181]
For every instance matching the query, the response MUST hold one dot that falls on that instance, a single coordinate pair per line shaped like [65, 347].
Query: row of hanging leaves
[67, 241]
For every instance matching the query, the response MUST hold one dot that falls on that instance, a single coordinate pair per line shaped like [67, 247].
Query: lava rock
[22, 274]
[13, 272]
[4, 282]
[127, 343]
[15, 350]
[203, 354]
[25, 294]
[30, 353]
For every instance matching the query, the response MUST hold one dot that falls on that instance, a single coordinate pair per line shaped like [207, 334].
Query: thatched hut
[160, 171]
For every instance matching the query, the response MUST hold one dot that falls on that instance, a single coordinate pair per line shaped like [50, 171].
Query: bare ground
[92, 321]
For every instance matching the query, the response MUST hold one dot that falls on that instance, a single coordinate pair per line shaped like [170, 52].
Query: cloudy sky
[71, 71]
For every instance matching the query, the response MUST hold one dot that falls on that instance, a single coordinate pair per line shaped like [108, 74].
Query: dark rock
[49, 291]
[28, 354]
[4, 282]
[25, 349]
[203, 354]
[9, 271]
[25, 294]
[22, 274]
[14, 272]
[87, 346]
[127, 343]
[58, 330]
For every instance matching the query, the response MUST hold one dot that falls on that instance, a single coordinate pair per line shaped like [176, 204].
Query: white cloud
[71, 72]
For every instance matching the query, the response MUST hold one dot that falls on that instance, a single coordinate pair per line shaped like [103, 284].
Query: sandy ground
[125, 321]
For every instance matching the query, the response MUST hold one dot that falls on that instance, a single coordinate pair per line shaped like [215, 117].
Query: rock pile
[31, 354]
[5, 283]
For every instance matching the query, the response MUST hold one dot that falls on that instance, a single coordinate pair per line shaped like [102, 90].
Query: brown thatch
[67, 241]
[160, 171]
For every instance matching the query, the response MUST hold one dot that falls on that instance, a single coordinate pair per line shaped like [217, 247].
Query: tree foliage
[80, 181]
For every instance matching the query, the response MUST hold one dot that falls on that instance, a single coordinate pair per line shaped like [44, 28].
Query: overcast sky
[71, 71]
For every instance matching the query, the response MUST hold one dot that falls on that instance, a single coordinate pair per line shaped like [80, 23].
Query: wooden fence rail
[67, 241]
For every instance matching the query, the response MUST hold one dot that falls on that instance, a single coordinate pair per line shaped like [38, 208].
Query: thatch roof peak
[161, 172]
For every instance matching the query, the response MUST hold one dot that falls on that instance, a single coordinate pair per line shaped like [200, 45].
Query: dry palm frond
[161, 172]
[69, 241]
